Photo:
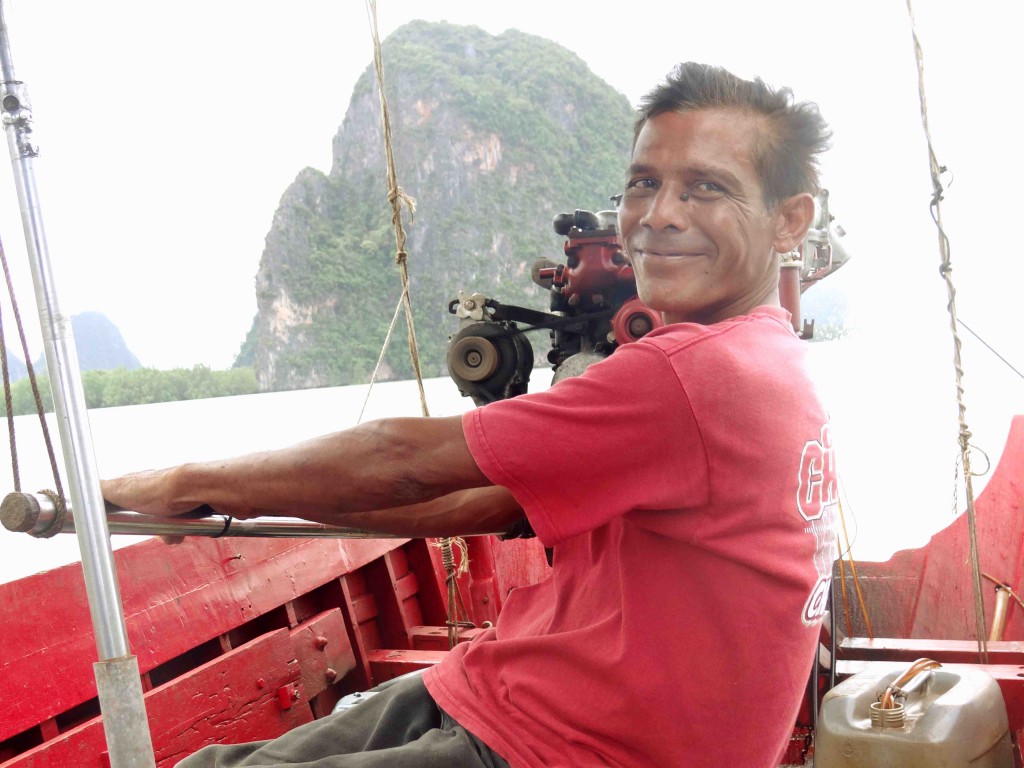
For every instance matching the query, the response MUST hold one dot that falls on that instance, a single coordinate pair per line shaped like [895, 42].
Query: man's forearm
[379, 465]
[491, 509]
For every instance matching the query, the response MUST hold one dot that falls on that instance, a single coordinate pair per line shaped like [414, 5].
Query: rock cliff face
[493, 136]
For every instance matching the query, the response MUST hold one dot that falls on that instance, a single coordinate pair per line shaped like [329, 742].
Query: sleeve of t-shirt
[620, 436]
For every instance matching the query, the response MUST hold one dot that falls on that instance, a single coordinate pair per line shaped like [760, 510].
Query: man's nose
[668, 209]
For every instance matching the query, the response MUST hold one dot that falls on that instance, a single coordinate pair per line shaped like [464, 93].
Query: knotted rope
[946, 270]
[398, 198]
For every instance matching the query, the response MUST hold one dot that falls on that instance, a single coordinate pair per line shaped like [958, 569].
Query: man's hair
[785, 155]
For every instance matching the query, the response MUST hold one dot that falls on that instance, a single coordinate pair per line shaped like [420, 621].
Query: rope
[856, 580]
[9, 406]
[991, 349]
[842, 585]
[58, 520]
[946, 269]
[59, 502]
[380, 358]
[398, 198]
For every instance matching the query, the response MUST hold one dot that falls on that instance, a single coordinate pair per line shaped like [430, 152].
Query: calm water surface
[894, 421]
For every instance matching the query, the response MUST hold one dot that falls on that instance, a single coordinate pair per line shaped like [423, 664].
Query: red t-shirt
[687, 486]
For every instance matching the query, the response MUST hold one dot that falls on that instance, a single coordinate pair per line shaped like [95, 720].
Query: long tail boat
[244, 632]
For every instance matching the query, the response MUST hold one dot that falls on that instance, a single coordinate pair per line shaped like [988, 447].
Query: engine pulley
[490, 360]
[634, 320]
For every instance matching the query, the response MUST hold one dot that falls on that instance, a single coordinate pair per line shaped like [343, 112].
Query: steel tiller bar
[37, 514]
[119, 686]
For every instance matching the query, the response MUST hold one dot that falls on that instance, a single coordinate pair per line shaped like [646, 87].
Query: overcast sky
[169, 132]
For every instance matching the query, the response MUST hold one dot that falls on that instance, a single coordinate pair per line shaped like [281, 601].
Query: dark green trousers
[400, 727]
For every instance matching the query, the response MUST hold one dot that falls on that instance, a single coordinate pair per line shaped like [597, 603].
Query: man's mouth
[667, 254]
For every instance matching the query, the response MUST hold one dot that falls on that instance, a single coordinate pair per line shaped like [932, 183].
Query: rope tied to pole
[58, 521]
[399, 199]
[945, 269]
[58, 494]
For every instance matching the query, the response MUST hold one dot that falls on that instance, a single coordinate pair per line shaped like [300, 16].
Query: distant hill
[16, 368]
[98, 342]
[493, 136]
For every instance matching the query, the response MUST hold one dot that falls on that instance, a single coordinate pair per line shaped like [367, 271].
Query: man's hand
[151, 492]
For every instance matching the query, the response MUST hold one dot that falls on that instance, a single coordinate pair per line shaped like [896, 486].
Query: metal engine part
[488, 358]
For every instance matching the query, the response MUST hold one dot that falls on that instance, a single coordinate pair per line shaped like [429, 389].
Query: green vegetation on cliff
[493, 136]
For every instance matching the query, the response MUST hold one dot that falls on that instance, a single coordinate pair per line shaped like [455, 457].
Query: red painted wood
[431, 599]
[361, 609]
[946, 604]
[323, 651]
[389, 664]
[433, 638]
[946, 651]
[928, 592]
[890, 591]
[175, 597]
[405, 587]
[231, 699]
[495, 568]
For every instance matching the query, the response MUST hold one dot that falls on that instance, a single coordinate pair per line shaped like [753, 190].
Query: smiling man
[687, 498]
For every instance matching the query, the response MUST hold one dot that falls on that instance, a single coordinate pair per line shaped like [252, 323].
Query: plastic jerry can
[953, 717]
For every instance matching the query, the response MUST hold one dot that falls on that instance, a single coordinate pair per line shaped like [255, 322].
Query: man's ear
[793, 218]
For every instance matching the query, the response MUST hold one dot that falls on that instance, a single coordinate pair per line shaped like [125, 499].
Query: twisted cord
[40, 409]
[946, 270]
[398, 199]
[58, 521]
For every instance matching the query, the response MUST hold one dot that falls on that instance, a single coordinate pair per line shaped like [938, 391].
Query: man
[686, 498]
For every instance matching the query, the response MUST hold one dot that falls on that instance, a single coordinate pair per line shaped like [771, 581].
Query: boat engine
[593, 309]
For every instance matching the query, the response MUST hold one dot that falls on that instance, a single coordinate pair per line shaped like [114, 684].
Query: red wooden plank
[388, 664]
[407, 587]
[228, 700]
[323, 651]
[362, 629]
[364, 608]
[425, 638]
[389, 622]
[175, 597]
[432, 604]
[946, 651]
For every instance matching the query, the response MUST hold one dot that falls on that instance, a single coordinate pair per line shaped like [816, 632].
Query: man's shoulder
[758, 325]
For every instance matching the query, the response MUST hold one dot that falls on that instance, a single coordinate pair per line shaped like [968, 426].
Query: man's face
[692, 218]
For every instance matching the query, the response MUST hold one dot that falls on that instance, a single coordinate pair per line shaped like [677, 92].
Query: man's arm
[373, 468]
[491, 509]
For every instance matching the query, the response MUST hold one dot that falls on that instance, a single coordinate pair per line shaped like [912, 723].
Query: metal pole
[118, 683]
[36, 514]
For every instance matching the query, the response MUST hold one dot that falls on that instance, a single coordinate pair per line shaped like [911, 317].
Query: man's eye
[637, 187]
[707, 190]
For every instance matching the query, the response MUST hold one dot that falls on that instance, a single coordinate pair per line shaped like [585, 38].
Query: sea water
[894, 420]
[132, 438]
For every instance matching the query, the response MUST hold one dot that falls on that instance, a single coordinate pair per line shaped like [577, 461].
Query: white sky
[170, 131]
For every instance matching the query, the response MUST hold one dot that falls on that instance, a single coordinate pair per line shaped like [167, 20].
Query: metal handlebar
[37, 515]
